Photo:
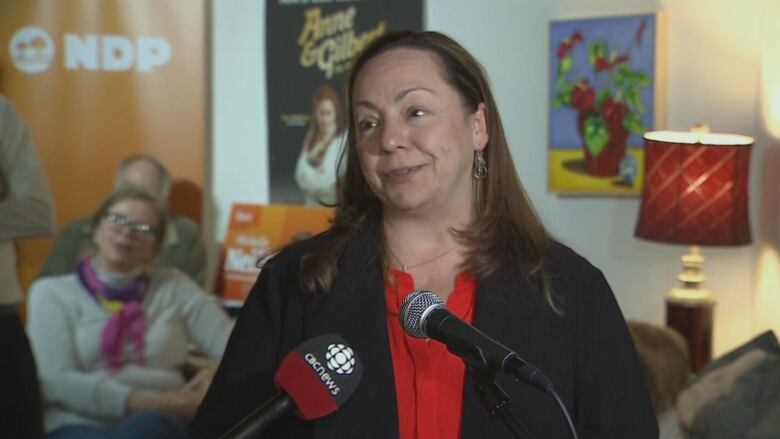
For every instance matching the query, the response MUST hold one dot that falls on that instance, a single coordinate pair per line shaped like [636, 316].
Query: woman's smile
[402, 174]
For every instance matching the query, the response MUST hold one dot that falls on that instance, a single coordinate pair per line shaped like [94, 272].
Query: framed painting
[604, 94]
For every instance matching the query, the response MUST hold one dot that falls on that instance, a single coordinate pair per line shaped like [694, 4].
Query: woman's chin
[119, 264]
[407, 203]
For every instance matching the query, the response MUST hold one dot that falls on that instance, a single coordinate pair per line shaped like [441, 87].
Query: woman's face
[326, 116]
[414, 138]
[125, 236]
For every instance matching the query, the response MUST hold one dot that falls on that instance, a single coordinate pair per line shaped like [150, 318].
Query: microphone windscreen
[319, 375]
[415, 309]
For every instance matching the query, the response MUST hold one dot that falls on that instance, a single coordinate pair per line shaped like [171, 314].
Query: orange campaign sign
[96, 82]
[254, 232]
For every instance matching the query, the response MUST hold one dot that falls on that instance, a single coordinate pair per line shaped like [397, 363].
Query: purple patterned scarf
[127, 322]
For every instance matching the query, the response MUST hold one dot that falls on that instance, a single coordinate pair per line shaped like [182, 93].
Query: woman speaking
[430, 199]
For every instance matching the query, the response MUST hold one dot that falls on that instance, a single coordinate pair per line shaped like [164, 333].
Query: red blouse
[428, 378]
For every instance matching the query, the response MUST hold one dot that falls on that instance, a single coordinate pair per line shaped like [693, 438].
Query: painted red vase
[606, 163]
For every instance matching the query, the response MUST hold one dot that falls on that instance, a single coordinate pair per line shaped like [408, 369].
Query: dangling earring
[480, 166]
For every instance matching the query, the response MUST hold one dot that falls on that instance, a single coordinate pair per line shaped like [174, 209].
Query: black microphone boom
[423, 315]
[260, 419]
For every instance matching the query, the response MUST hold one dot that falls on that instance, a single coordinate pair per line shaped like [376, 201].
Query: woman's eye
[416, 112]
[365, 125]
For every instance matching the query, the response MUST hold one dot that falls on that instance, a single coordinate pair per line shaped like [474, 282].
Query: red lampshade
[695, 188]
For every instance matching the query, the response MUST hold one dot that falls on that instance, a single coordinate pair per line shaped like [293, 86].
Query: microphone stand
[495, 399]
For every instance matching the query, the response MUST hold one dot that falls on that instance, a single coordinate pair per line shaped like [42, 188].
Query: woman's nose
[393, 134]
[124, 231]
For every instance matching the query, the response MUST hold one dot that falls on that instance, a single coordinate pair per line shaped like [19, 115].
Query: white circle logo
[32, 49]
[340, 359]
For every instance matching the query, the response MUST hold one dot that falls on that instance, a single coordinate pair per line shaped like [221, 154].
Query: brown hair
[133, 193]
[505, 233]
[663, 356]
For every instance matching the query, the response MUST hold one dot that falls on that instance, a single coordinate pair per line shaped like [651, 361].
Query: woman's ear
[480, 134]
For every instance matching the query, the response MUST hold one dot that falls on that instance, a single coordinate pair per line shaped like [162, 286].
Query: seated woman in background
[111, 339]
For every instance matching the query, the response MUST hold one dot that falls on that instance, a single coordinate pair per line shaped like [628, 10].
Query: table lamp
[695, 193]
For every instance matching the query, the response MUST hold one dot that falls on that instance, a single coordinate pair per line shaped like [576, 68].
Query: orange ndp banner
[254, 232]
[98, 80]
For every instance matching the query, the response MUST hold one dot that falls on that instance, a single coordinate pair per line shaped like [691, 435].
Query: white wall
[239, 116]
[713, 73]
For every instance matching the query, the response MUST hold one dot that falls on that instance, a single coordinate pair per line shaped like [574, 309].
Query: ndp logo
[32, 51]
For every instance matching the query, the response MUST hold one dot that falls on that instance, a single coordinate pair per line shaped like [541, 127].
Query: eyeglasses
[119, 220]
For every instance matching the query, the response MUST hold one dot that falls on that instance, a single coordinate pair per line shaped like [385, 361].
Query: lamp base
[691, 314]
[689, 309]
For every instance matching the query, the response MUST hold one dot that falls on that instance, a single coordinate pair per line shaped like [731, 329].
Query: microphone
[423, 315]
[314, 380]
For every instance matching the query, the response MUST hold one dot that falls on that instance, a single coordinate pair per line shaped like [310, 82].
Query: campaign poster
[310, 46]
[255, 231]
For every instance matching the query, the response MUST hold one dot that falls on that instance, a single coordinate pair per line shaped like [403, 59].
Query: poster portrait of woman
[315, 171]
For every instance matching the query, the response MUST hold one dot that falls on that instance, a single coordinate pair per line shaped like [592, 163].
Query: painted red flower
[583, 95]
[567, 44]
[564, 48]
[602, 64]
[613, 112]
[640, 32]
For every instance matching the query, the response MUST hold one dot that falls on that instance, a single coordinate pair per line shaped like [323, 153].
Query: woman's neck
[327, 134]
[322, 137]
[416, 228]
[413, 240]
[112, 275]
[432, 222]
[428, 251]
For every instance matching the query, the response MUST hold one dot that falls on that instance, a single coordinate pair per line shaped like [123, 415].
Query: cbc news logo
[32, 49]
[340, 359]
